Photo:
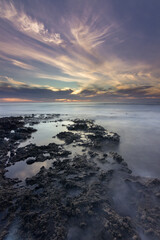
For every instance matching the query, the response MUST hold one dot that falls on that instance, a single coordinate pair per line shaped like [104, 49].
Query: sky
[80, 51]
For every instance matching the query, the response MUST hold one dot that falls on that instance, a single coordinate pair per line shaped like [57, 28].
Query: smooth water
[46, 133]
[22, 171]
[138, 126]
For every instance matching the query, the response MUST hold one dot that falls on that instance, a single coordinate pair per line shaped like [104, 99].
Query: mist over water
[138, 126]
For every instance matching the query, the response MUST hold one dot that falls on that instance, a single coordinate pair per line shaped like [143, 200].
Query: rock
[68, 137]
[31, 160]
[76, 197]
[83, 224]
[117, 157]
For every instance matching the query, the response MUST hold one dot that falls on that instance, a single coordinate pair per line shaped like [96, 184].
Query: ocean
[138, 126]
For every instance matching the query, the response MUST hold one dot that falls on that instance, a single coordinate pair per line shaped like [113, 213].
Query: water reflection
[45, 133]
[22, 170]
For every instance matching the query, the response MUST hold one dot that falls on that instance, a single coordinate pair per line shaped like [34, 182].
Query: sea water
[138, 126]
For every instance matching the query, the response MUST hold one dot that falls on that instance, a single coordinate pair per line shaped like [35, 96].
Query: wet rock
[68, 137]
[39, 152]
[92, 154]
[79, 125]
[11, 123]
[30, 160]
[75, 197]
[117, 157]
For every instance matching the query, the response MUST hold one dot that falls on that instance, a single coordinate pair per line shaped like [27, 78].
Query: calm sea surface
[138, 126]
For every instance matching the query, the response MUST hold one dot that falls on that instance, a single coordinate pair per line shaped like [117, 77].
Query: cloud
[89, 36]
[82, 49]
[121, 93]
[22, 65]
[134, 90]
[27, 25]
[111, 73]
[31, 93]
[10, 81]
[18, 63]
[12, 90]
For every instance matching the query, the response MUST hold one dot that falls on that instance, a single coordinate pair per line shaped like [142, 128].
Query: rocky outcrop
[90, 196]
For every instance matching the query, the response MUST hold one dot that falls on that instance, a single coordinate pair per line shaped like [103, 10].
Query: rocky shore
[89, 193]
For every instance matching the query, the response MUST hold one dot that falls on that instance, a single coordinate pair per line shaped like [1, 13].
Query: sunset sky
[80, 50]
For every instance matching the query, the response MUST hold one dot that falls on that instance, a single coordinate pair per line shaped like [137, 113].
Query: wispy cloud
[9, 80]
[20, 64]
[26, 24]
[89, 36]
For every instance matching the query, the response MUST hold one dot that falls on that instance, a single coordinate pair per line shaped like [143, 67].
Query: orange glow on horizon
[15, 100]
[29, 100]
[70, 100]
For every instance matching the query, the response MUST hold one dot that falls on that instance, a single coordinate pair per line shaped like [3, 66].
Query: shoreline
[79, 191]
